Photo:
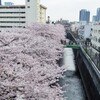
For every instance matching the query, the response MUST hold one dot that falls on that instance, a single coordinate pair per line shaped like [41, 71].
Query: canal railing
[89, 72]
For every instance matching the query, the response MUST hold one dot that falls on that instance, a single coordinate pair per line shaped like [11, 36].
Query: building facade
[96, 35]
[84, 15]
[12, 16]
[32, 11]
[8, 3]
[22, 15]
[0, 2]
[98, 15]
[84, 31]
[96, 18]
[42, 14]
[75, 26]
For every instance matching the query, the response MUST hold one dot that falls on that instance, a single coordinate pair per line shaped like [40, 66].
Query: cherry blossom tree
[28, 62]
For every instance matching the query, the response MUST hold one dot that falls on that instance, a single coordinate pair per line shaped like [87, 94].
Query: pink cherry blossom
[28, 62]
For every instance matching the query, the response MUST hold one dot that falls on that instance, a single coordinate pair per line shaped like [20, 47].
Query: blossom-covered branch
[28, 63]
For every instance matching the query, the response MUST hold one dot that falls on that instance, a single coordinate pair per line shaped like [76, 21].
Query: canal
[71, 83]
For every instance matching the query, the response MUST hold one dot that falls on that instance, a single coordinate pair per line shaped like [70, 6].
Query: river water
[71, 83]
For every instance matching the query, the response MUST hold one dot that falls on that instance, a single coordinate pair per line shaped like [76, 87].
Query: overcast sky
[66, 9]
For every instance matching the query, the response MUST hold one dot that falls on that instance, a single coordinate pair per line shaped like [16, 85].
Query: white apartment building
[84, 31]
[96, 35]
[75, 26]
[12, 16]
[22, 15]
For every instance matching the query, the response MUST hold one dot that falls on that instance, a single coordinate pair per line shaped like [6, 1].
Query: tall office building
[8, 3]
[0, 2]
[94, 18]
[84, 15]
[98, 14]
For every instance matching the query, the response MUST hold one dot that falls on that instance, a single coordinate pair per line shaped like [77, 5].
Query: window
[91, 29]
[28, 7]
[12, 21]
[99, 40]
[96, 39]
[99, 31]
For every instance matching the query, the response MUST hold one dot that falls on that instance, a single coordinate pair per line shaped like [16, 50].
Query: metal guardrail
[91, 62]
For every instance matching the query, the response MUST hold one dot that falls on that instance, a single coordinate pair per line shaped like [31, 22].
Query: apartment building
[84, 31]
[42, 14]
[75, 26]
[22, 15]
[12, 16]
[96, 35]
